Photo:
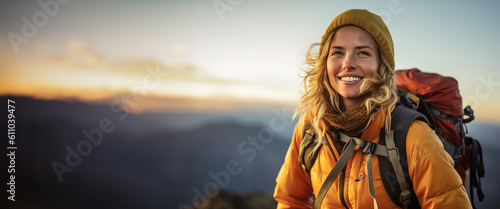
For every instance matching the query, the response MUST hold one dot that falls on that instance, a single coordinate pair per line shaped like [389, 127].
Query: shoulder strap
[305, 158]
[306, 155]
[417, 102]
[395, 167]
[347, 152]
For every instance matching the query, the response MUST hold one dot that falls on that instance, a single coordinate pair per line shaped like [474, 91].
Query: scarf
[351, 122]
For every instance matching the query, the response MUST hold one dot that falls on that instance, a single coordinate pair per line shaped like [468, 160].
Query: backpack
[428, 97]
[438, 98]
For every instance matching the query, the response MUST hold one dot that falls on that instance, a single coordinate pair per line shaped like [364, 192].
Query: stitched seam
[459, 186]
[424, 157]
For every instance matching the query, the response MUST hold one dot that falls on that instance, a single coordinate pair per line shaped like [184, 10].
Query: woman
[350, 89]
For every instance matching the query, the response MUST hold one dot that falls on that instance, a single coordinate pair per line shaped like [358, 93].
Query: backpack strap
[417, 102]
[347, 152]
[337, 168]
[452, 149]
[306, 155]
[308, 142]
[476, 170]
[391, 149]
[393, 152]
[394, 169]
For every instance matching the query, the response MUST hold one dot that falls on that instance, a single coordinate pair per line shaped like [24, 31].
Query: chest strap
[352, 144]
[355, 144]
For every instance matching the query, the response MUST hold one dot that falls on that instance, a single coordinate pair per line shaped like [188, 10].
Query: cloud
[137, 66]
[179, 49]
[78, 66]
[75, 56]
[77, 46]
[81, 57]
[185, 104]
[8, 62]
[78, 57]
[80, 73]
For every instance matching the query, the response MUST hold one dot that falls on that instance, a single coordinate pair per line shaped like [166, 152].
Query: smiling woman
[347, 108]
[353, 56]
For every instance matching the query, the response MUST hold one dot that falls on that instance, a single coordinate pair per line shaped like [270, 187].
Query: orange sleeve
[431, 168]
[293, 185]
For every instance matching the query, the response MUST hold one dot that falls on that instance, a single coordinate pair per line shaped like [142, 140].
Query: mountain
[107, 158]
[134, 163]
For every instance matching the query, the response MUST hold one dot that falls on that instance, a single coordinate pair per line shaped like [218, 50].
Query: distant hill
[163, 160]
[153, 168]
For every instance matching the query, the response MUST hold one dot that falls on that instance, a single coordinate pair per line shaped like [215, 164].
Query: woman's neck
[351, 102]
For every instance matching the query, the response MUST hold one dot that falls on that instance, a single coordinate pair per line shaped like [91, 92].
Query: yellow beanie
[369, 22]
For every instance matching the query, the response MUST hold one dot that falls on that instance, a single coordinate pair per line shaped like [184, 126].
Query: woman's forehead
[348, 35]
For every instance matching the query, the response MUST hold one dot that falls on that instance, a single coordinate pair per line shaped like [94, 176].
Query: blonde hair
[319, 94]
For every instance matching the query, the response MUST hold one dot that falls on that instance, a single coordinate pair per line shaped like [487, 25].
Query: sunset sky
[245, 54]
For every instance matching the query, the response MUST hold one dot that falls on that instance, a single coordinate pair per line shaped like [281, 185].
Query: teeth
[350, 78]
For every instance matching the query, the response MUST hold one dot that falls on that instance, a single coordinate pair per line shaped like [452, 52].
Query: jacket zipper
[341, 193]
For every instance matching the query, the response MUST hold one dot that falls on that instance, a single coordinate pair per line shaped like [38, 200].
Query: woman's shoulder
[301, 127]
[419, 128]
[421, 139]
[303, 124]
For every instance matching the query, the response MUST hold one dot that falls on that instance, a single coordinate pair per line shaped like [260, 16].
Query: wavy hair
[379, 91]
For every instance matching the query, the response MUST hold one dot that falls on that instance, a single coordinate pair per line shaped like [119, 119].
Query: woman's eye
[363, 53]
[336, 53]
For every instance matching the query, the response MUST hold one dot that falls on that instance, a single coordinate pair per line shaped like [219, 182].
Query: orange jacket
[435, 181]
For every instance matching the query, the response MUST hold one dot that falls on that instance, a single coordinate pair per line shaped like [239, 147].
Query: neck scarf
[351, 122]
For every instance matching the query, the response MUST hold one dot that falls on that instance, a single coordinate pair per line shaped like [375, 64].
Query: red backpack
[438, 98]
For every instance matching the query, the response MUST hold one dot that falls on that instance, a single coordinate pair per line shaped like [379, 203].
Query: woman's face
[352, 57]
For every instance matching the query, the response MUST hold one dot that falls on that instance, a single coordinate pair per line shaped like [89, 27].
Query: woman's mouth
[350, 79]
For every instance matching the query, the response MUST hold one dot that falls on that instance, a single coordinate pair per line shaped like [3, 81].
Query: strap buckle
[410, 100]
[369, 148]
[395, 149]
[405, 198]
[470, 113]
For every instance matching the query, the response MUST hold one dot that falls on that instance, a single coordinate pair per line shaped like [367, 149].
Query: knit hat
[371, 23]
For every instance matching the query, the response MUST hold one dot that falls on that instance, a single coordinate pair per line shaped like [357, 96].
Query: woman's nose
[349, 62]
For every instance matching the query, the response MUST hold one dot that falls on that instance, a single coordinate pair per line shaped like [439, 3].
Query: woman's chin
[350, 95]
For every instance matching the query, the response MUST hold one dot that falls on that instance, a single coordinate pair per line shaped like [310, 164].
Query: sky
[201, 55]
